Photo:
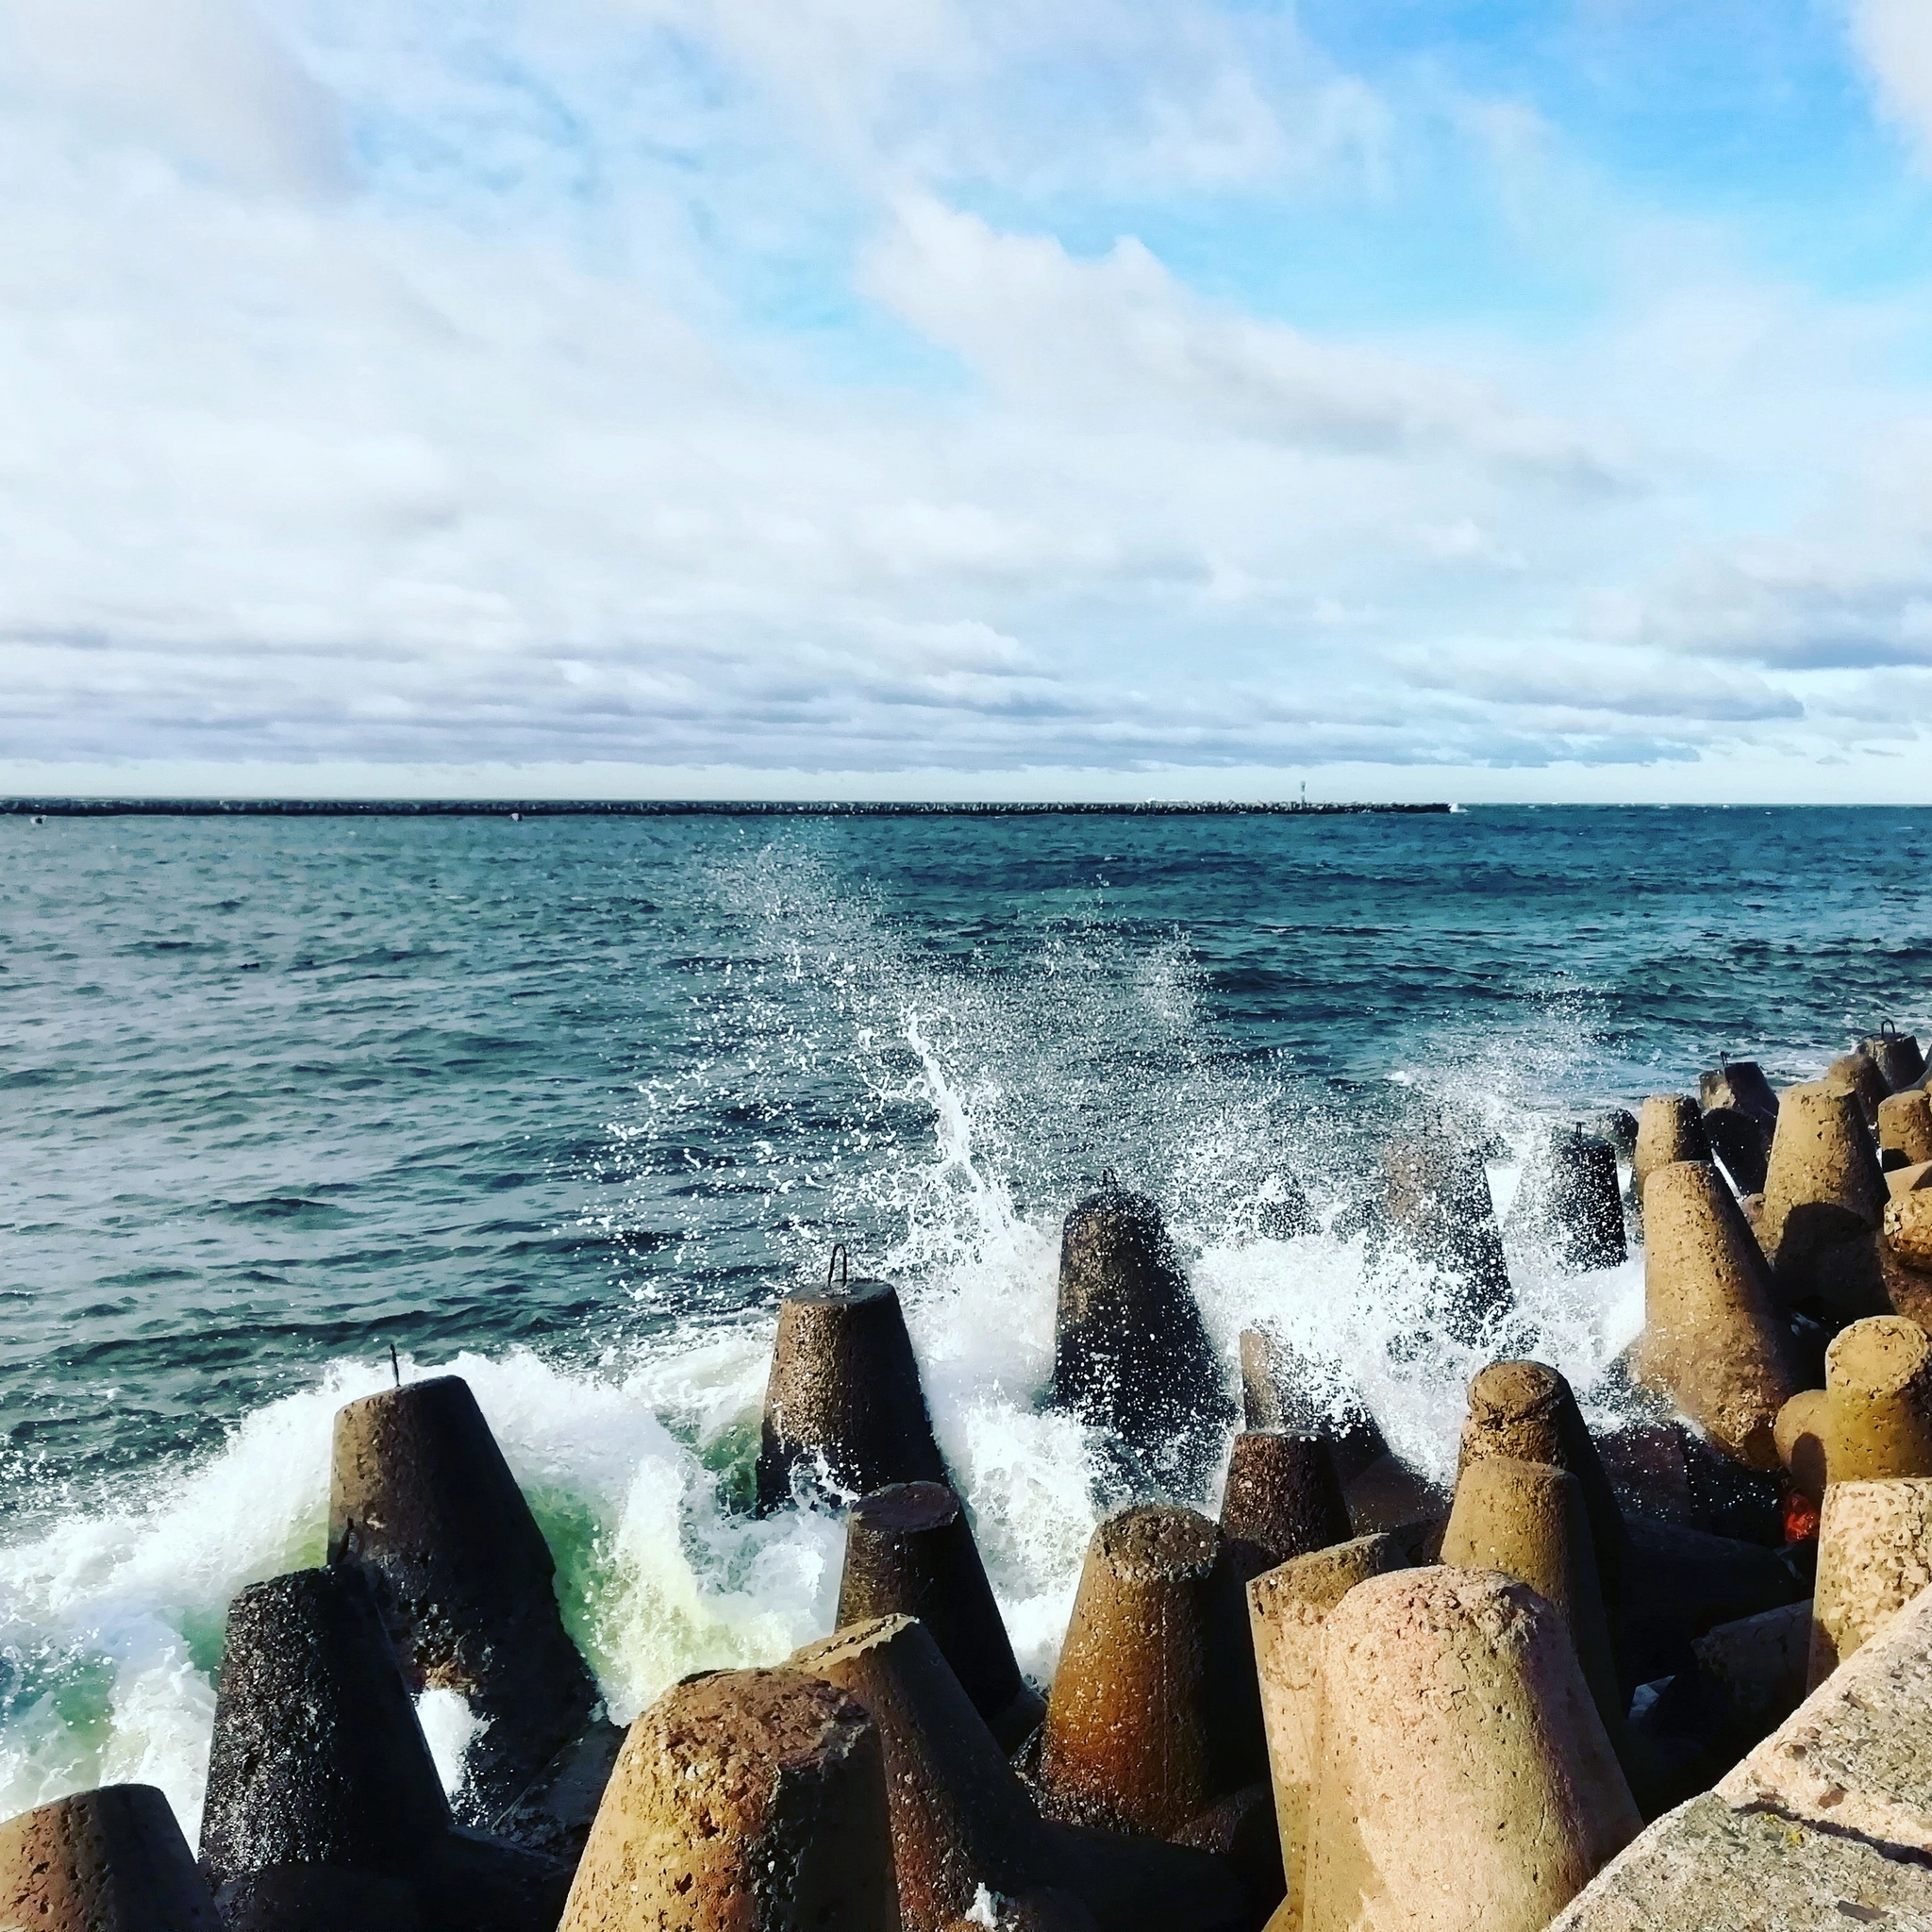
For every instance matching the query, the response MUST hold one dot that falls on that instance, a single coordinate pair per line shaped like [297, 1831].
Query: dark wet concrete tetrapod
[318, 1772]
[909, 1552]
[1283, 1498]
[422, 1501]
[1130, 1351]
[1569, 1202]
[844, 1387]
[1436, 1203]
[743, 1800]
[1897, 1057]
[317, 1758]
[109, 1861]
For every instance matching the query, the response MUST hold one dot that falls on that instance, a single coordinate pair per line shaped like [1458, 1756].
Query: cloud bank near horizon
[853, 386]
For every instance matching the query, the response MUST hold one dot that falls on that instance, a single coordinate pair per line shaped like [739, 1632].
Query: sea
[291, 1107]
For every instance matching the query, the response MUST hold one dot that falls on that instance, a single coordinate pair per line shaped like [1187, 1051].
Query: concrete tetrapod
[1528, 1520]
[1287, 1608]
[1568, 1203]
[909, 1552]
[1669, 1129]
[1905, 1128]
[1874, 1556]
[1465, 1781]
[1824, 1185]
[1285, 1391]
[1740, 1085]
[106, 1860]
[743, 1800]
[844, 1387]
[1130, 1351]
[1897, 1057]
[318, 1769]
[1878, 1400]
[1154, 1715]
[1711, 1336]
[1528, 1411]
[1282, 1498]
[1801, 1431]
[1437, 1203]
[1857, 1075]
[317, 1756]
[960, 1818]
[422, 1502]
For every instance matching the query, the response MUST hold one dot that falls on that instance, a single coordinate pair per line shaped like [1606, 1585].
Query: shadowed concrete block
[1528, 1410]
[1857, 1076]
[1154, 1715]
[1130, 1351]
[1437, 1203]
[960, 1818]
[1670, 1128]
[1801, 1433]
[1741, 1085]
[1282, 1498]
[317, 1756]
[1616, 1125]
[1567, 1201]
[1874, 1556]
[1856, 1757]
[1680, 1583]
[1897, 1057]
[1823, 1187]
[1283, 1389]
[422, 1502]
[1711, 1339]
[909, 1552]
[746, 1801]
[1904, 1127]
[316, 1898]
[1287, 1608]
[107, 1861]
[1465, 1778]
[1709, 1868]
[1739, 1137]
[1528, 1521]
[1760, 1663]
[844, 1387]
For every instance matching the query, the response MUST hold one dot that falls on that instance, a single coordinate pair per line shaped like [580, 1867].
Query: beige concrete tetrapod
[1287, 1608]
[1281, 1499]
[1804, 1424]
[1859, 1075]
[960, 1817]
[1878, 1389]
[108, 1860]
[746, 1801]
[1528, 1410]
[1711, 1337]
[1528, 1520]
[1874, 1556]
[1465, 1782]
[1904, 1127]
[1823, 1186]
[1154, 1714]
[1669, 1128]
[1909, 1229]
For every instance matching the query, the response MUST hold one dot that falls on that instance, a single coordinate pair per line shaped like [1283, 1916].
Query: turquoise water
[570, 1101]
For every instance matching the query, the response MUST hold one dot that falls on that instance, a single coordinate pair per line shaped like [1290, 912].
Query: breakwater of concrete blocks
[1671, 1672]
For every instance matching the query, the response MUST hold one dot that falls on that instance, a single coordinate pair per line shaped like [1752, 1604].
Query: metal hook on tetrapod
[842, 1262]
[396, 1367]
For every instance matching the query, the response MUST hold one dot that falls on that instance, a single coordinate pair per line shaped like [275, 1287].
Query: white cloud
[1895, 39]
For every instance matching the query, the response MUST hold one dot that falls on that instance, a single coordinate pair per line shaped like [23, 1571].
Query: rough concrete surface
[1874, 1556]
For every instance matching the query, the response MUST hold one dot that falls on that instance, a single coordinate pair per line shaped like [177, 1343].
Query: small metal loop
[1887, 1029]
[1109, 1178]
[841, 1260]
[396, 1367]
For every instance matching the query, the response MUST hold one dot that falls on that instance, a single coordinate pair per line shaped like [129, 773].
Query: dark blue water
[579, 1096]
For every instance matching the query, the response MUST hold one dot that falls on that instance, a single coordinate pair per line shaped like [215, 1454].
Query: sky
[1117, 398]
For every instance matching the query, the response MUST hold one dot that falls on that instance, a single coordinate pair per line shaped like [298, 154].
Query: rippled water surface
[569, 1102]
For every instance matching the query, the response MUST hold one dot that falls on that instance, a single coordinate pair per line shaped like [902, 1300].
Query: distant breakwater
[660, 808]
